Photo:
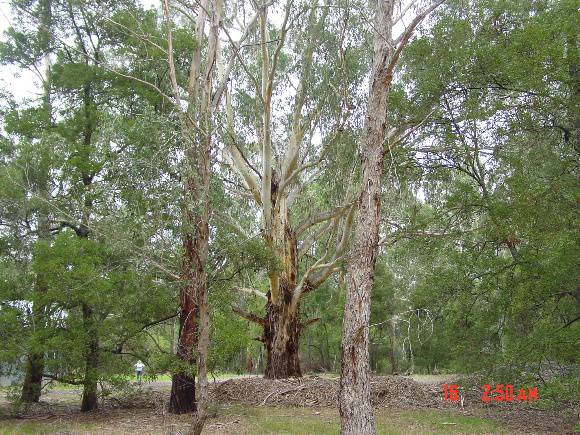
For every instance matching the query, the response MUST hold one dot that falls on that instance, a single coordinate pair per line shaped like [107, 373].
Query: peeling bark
[193, 341]
[282, 323]
[182, 399]
[281, 335]
[277, 183]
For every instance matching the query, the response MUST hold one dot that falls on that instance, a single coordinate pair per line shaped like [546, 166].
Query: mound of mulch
[315, 391]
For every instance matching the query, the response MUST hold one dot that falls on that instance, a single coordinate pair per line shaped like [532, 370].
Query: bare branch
[250, 291]
[313, 237]
[195, 66]
[249, 316]
[403, 40]
[170, 61]
[235, 48]
[162, 268]
[323, 216]
[402, 136]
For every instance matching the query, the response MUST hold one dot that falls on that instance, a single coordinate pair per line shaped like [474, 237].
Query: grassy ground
[326, 421]
[259, 420]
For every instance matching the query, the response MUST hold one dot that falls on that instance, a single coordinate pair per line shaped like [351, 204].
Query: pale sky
[24, 84]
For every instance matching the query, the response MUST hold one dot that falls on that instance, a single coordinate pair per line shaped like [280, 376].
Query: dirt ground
[308, 405]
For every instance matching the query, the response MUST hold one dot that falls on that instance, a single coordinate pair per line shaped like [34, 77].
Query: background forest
[477, 269]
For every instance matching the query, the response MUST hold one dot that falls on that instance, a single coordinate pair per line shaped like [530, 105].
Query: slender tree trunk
[89, 402]
[201, 289]
[194, 319]
[393, 347]
[354, 396]
[354, 399]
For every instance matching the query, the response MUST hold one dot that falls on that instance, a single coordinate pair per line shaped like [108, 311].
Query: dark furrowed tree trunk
[89, 402]
[182, 399]
[281, 335]
[282, 325]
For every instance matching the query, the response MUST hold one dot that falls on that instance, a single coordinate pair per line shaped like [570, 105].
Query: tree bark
[194, 318]
[276, 185]
[182, 399]
[33, 379]
[281, 335]
[354, 396]
[282, 325]
[89, 402]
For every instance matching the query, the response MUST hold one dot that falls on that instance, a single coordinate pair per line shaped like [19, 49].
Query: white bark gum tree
[275, 187]
[354, 395]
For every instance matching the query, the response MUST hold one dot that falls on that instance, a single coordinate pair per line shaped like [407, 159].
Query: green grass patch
[33, 427]
[300, 421]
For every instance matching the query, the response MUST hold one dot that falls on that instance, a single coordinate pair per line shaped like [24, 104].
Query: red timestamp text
[499, 393]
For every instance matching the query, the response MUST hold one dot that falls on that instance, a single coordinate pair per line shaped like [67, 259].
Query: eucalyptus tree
[287, 114]
[354, 394]
[194, 90]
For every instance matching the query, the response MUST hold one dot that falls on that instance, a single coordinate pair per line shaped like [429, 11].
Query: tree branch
[249, 316]
[251, 291]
